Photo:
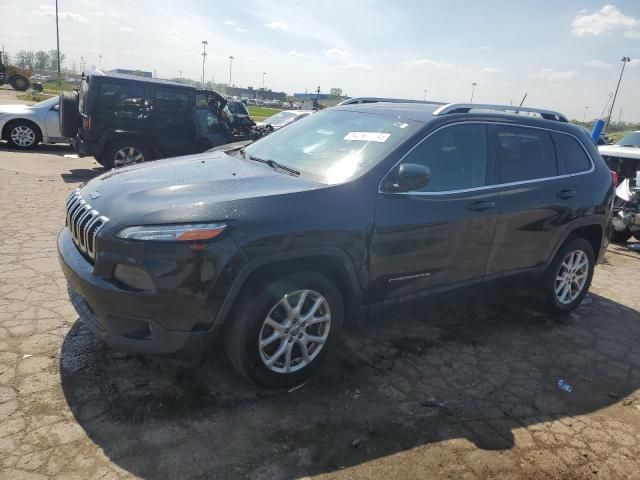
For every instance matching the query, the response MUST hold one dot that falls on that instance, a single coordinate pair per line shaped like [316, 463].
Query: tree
[24, 59]
[53, 60]
[41, 60]
[335, 93]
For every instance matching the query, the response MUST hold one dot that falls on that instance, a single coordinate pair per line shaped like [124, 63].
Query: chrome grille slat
[84, 223]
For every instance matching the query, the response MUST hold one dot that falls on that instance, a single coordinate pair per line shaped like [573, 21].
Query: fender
[252, 266]
[578, 223]
[111, 134]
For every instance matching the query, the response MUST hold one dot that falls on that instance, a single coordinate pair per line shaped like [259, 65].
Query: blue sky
[564, 54]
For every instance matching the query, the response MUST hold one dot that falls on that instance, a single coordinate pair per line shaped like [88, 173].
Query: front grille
[84, 223]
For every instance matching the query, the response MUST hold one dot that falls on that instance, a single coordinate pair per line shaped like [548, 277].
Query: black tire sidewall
[109, 153]
[620, 236]
[573, 244]
[36, 131]
[16, 78]
[269, 293]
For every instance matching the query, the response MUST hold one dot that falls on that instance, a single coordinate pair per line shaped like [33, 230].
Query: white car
[24, 126]
[284, 118]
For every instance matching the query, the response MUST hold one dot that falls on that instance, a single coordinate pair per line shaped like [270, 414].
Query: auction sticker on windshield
[368, 136]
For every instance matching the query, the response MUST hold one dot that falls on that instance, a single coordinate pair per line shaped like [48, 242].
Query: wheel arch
[331, 262]
[7, 126]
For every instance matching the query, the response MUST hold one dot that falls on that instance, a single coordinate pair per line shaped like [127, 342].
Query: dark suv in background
[124, 119]
[280, 244]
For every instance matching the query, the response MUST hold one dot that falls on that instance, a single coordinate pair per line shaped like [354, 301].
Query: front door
[173, 121]
[441, 235]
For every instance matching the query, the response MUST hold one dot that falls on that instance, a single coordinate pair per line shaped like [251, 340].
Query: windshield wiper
[272, 163]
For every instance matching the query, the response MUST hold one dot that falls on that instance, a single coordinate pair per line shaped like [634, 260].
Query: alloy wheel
[571, 277]
[294, 331]
[127, 156]
[23, 136]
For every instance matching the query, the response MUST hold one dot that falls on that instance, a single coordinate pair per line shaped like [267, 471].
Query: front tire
[568, 278]
[23, 135]
[283, 328]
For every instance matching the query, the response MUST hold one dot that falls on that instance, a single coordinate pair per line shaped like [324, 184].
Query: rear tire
[261, 314]
[568, 277]
[125, 152]
[69, 114]
[23, 135]
[19, 82]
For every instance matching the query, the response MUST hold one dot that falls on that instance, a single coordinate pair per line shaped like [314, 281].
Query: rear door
[440, 235]
[173, 120]
[537, 198]
[117, 105]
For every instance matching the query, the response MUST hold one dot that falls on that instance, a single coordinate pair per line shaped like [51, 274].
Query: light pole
[100, 61]
[473, 89]
[230, 67]
[58, 45]
[624, 61]
[263, 74]
[585, 114]
[180, 73]
[204, 57]
[606, 105]
[424, 99]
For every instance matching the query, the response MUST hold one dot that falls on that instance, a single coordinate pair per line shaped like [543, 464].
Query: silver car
[24, 126]
[285, 117]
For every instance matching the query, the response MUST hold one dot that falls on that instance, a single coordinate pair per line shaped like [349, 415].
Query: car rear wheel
[568, 278]
[282, 329]
[124, 153]
[19, 82]
[23, 135]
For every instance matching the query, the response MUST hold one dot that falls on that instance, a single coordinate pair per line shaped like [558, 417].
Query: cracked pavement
[459, 387]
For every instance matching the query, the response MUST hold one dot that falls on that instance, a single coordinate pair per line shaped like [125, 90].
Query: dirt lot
[462, 389]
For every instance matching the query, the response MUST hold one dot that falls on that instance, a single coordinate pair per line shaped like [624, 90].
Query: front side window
[574, 156]
[455, 155]
[524, 154]
[171, 101]
[334, 146]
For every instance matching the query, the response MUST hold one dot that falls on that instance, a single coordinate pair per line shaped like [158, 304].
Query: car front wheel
[283, 328]
[23, 135]
[569, 276]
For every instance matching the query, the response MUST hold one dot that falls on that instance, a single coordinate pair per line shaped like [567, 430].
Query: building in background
[251, 92]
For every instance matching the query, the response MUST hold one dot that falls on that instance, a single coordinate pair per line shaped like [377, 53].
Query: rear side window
[171, 101]
[456, 156]
[524, 154]
[575, 158]
[116, 95]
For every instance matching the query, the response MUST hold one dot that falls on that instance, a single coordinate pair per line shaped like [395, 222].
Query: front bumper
[86, 149]
[136, 321]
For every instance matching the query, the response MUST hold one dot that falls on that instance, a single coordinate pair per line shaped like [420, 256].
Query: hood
[204, 187]
[12, 109]
[619, 151]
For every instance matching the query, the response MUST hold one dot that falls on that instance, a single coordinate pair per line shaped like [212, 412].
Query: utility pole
[58, 45]
[424, 99]
[180, 73]
[230, 67]
[620, 116]
[204, 57]
[100, 60]
[473, 89]
[624, 61]
[585, 114]
[263, 74]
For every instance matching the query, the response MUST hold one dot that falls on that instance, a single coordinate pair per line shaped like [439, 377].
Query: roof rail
[466, 107]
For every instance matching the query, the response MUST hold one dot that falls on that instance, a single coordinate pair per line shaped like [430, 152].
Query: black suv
[280, 244]
[124, 119]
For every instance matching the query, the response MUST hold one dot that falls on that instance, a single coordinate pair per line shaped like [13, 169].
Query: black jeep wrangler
[124, 119]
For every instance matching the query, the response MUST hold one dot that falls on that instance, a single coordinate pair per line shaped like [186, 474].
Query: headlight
[187, 232]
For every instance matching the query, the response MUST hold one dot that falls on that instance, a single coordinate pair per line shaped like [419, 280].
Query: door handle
[481, 206]
[566, 194]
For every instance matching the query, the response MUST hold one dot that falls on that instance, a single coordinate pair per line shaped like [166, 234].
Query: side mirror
[408, 177]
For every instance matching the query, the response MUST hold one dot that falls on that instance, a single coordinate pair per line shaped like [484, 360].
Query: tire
[636, 235]
[265, 300]
[69, 114]
[576, 250]
[125, 152]
[19, 82]
[620, 236]
[23, 135]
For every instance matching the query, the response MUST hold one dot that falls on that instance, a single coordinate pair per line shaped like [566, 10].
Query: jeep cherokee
[279, 244]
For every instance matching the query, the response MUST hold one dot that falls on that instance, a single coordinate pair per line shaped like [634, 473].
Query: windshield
[49, 102]
[280, 118]
[334, 146]
[237, 108]
[632, 139]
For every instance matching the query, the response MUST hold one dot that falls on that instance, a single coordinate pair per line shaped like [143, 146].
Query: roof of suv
[136, 78]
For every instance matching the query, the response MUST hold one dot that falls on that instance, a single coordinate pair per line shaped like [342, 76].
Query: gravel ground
[465, 387]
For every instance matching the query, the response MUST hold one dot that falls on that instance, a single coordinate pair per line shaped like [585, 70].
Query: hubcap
[127, 156]
[294, 331]
[23, 136]
[572, 276]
